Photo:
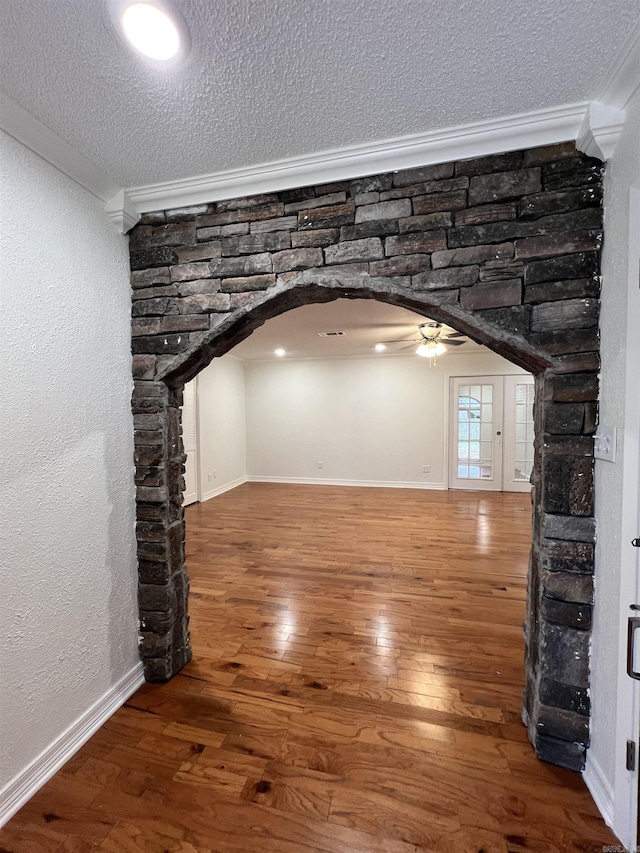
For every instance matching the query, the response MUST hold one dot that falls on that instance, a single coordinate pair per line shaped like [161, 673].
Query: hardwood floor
[355, 688]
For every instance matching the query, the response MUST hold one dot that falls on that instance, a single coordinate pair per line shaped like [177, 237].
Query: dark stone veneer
[504, 248]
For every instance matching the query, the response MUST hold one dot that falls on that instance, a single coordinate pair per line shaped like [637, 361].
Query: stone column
[163, 586]
[561, 578]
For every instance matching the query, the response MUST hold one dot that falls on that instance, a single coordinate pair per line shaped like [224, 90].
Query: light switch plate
[604, 444]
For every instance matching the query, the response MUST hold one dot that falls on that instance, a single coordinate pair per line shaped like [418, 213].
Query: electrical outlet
[209, 476]
[320, 464]
[426, 469]
[215, 475]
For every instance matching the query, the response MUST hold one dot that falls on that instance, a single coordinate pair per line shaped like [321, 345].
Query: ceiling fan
[433, 341]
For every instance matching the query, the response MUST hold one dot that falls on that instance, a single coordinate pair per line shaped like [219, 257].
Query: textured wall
[368, 420]
[504, 248]
[68, 583]
[221, 422]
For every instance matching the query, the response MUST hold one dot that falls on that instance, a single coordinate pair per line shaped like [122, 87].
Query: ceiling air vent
[331, 334]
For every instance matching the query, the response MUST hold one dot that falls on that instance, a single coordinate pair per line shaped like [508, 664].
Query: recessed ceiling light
[280, 352]
[154, 29]
[380, 347]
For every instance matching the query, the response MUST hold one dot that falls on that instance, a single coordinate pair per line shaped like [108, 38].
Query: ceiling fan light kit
[431, 349]
[431, 342]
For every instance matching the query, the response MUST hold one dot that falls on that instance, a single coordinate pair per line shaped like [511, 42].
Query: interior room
[334, 393]
[320, 426]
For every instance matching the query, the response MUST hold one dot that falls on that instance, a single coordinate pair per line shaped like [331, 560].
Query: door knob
[636, 542]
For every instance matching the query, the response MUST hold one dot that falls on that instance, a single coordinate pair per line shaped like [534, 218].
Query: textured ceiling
[364, 321]
[267, 80]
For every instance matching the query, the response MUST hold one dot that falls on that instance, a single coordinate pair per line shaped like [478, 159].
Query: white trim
[628, 691]
[23, 786]
[478, 139]
[483, 350]
[122, 212]
[222, 489]
[374, 484]
[623, 78]
[372, 355]
[194, 496]
[20, 124]
[231, 356]
[600, 788]
[196, 387]
[600, 130]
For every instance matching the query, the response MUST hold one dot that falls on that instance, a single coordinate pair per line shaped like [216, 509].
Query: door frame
[625, 793]
[196, 426]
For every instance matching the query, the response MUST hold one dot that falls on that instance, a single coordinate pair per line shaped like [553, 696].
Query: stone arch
[311, 286]
[528, 291]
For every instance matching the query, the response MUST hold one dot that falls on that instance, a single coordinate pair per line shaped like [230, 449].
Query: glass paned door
[519, 392]
[190, 441]
[476, 419]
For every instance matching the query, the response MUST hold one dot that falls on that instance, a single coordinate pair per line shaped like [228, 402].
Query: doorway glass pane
[524, 394]
[475, 428]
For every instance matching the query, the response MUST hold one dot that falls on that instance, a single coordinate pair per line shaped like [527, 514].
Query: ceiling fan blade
[449, 343]
[408, 346]
[402, 341]
[456, 335]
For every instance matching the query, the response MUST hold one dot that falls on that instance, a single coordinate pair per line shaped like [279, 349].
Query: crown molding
[600, 130]
[40, 139]
[623, 78]
[122, 211]
[124, 205]
[594, 126]
[510, 133]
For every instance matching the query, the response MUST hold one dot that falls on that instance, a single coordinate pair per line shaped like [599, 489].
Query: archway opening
[498, 249]
[308, 289]
[331, 590]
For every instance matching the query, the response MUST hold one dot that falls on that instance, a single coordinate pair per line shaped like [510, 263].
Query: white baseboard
[316, 481]
[376, 484]
[25, 784]
[600, 788]
[220, 490]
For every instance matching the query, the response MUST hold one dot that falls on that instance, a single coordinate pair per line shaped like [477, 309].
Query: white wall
[221, 426]
[367, 420]
[68, 588]
[615, 486]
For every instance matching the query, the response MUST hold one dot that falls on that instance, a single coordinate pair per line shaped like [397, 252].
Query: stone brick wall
[504, 248]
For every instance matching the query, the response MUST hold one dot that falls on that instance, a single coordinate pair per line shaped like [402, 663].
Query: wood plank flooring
[355, 688]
